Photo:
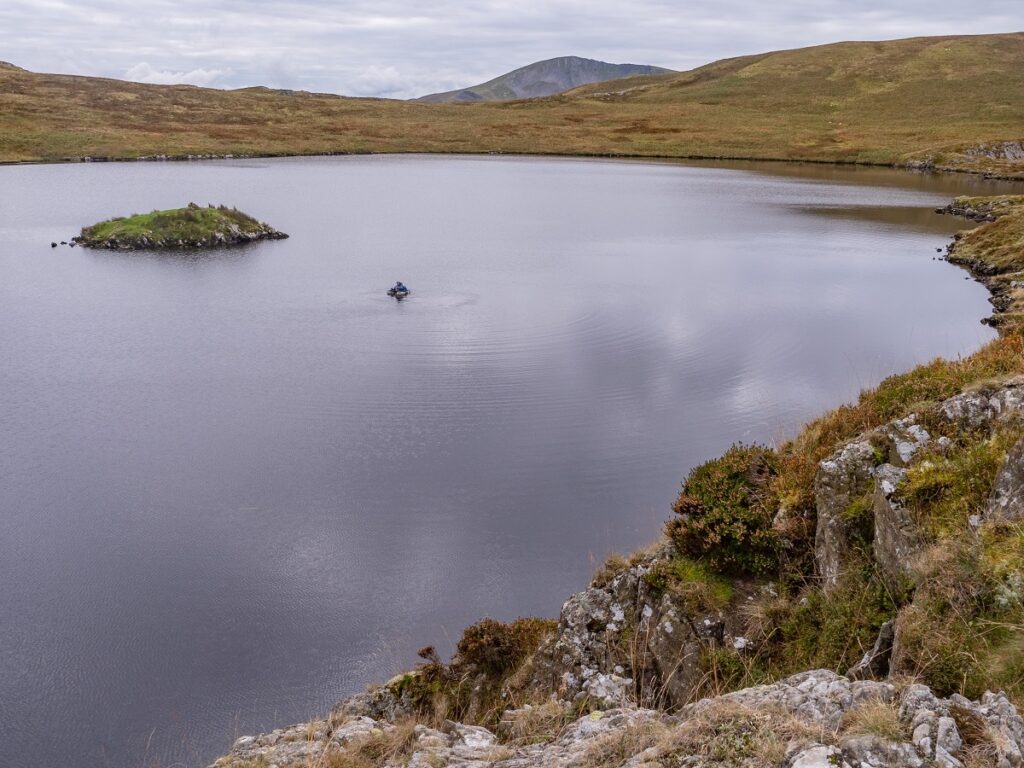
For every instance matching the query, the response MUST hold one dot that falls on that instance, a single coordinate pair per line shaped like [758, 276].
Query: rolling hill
[950, 102]
[545, 78]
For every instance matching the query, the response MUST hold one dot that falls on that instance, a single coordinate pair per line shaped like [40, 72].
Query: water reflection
[237, 486]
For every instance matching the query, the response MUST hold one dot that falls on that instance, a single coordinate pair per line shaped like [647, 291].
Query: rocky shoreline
[1003, 282]
[918, 166]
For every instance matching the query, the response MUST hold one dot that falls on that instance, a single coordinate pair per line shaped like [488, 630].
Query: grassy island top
[188, 227]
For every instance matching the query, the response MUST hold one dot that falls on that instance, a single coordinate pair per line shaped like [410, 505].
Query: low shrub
[496, 647]
[723, 516]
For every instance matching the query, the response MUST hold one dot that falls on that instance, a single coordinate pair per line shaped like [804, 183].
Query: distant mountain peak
[545, 78]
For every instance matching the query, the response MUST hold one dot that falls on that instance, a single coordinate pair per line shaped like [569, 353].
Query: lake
[237, 486]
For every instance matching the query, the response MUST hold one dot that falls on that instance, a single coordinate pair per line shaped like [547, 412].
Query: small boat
[398, 294]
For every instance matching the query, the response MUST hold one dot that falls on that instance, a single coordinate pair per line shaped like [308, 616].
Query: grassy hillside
[934, 100]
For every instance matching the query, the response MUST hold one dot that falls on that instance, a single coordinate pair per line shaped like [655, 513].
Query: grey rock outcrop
[841, 479]
[905, 438]
[1006, 504]
[980, 408]
[625, 640]
[856, 469]
[820, 702]
[1005, 150]
[898, 538]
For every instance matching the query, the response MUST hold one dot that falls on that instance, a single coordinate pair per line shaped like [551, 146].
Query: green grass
[924, 100]
[691, 583]
[945, 489]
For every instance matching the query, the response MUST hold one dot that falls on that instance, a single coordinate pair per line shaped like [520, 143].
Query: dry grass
[536, 724]
[980, 741]
[375, 750]
[728, 734]
[612, 749]
[923, 99]
[875, 718]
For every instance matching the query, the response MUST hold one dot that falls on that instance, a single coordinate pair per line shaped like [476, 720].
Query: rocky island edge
[853, 597]
[179, 228]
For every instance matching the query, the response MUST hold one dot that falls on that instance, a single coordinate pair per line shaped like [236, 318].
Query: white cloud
[144, 73]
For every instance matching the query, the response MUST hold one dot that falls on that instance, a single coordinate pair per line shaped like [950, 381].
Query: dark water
[239, 486]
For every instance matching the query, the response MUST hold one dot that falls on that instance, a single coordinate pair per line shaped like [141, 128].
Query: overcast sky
[403, 48]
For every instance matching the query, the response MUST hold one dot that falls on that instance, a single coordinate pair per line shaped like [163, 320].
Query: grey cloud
[400, 48]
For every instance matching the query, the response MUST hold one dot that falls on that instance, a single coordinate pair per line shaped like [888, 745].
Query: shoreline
[910, 167]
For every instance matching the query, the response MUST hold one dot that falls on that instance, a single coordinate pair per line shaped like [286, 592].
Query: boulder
[819, 756]
[906, 437]
[876, 752]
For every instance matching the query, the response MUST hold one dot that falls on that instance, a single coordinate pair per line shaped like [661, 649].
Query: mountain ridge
[544, 78]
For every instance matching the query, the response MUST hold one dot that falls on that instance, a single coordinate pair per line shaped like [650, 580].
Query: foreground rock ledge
[815, 719]
[179, 228]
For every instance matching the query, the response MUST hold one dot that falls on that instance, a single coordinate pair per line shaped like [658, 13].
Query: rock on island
[178, 228]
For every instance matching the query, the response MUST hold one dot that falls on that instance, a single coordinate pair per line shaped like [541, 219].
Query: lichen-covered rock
[625, 639]
[819, 756]
[906, 437]
[379, 702]
[876, 752]
[898, 538]
[842, 478]
[979, 408]
[1006, 504]
[819, 696]
[855, 470]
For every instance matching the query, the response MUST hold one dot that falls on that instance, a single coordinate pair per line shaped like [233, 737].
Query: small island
[179, 228]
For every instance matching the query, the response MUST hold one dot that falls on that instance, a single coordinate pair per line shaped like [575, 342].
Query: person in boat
[400, 287]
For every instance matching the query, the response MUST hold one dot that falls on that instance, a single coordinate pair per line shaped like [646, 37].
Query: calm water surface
[236, 487]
